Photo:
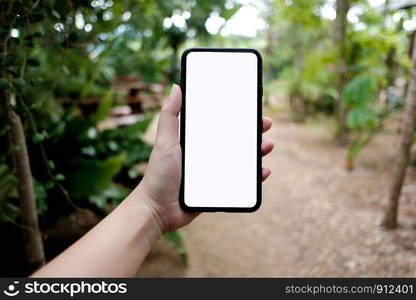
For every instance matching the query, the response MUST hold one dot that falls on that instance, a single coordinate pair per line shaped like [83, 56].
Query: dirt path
[316, 218]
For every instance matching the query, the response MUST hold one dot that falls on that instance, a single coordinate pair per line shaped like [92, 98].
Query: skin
[117, 246]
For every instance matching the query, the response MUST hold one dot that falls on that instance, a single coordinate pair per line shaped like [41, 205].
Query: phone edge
[259, 132]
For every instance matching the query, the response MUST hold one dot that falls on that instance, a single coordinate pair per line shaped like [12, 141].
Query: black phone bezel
[259, 131]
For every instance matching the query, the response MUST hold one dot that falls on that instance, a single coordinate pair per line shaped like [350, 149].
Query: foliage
[302, 62]
[358, 94]
[56, 55]
[304, 58]
[8, 210]
[304, 55]
[365, 118]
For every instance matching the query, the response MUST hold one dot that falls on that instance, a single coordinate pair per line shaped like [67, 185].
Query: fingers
[266, 147]
[267, 123]
[173, 105]
[168, 126]
[266, 173]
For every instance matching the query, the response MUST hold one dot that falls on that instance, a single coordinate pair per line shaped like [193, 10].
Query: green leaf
[359, 91]
[139, 126]
[18, 82]
[55, 14]
[112, 195]
[104, 107]
[362, 118]
[39, 137]
[41, 196]
[358, 144]
[98, 200]
[65, 70]
[88, 177]
[8, 183]
[51, 165]
[78, 128]
[49, 184]
[9, 212]
[59, 177]
[137, 153]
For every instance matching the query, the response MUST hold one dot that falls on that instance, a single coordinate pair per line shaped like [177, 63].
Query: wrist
[145, 215]
[145, 209]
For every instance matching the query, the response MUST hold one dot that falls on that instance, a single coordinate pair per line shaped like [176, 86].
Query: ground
[317, 219]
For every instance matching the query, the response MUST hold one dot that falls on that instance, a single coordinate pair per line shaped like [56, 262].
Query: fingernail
[174, 88]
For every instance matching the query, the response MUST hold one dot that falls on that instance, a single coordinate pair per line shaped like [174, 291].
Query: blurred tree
[54, 55]
[369, 65]
[342, 7]
[403, 156]
[298, 53]
[16, 136]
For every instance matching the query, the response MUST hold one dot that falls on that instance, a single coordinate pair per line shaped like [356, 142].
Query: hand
[128, 232]
[161, 183]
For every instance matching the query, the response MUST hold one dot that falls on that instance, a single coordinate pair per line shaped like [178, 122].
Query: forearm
[116, 247]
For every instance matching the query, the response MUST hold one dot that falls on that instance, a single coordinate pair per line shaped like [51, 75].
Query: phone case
[259, 131]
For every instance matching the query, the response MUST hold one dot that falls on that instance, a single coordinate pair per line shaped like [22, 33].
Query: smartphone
[220, 129]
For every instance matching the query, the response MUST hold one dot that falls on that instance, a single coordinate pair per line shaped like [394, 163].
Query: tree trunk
[390, 61]
[21, 165]
[27, 199]
[269, 52]
[391, 74]
[342, 7]
[298, 105]
[403, 157]
[409, 51]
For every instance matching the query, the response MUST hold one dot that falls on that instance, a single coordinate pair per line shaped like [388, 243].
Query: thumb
[168, 126]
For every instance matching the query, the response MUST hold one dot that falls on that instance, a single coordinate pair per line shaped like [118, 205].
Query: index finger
[267, 123]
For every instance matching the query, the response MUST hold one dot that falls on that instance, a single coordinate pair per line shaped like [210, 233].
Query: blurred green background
[82, 82]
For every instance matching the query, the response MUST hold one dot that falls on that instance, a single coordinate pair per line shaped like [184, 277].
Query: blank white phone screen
[221, 129]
